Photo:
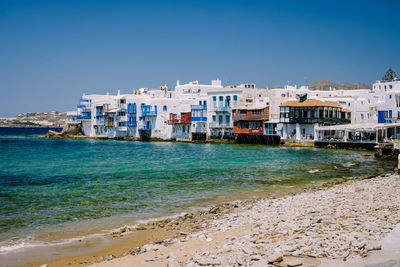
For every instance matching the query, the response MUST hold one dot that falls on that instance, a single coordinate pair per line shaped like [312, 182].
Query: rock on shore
[343, 222]
[347, 220]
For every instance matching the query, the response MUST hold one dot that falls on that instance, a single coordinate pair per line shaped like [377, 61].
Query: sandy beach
[345, 224]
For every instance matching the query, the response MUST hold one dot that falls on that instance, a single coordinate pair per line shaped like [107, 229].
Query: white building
[145, 112]
[223, 100]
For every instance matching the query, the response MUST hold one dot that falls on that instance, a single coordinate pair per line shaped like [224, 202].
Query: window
[164, 108]
[228, 101]
[390, 86]
[214, 101]
[220, 119]
[282, 95]
[390, 96]
[235, 100]
[214, 118]
[362, 116]
[221, 101]
[228, 118]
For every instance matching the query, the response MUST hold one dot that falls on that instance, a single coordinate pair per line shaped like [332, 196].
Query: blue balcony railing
[84, 116]
[194, 119]
[130, 123]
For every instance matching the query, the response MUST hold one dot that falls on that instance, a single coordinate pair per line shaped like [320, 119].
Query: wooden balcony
[184, 118]
[251, 114]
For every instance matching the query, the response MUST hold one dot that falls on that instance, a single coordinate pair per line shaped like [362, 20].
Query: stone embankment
[344, 222]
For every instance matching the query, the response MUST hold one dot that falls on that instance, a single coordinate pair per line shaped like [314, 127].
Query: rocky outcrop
[69, 130]
[72, 129]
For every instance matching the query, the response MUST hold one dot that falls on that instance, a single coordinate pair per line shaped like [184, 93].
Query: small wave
[30, 243]
[313, 171]
[23, 243]
[162, 218]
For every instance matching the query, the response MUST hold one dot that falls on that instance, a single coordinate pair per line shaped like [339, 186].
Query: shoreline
[118, 241]
[167, 232]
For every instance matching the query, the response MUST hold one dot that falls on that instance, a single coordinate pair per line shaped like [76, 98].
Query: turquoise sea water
[49, 183]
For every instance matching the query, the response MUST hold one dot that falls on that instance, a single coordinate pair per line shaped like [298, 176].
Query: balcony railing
[85, 117]
[184, 119]
[122, 129]
[195, 119]
[198, 107]
[149, 113]
[130, 123]
[318, 120]
[219, 125]
[222, 109]
[173, 121]
[83, 106]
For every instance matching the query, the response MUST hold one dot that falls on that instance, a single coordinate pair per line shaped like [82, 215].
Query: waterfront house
[180, 125]
[300, 118]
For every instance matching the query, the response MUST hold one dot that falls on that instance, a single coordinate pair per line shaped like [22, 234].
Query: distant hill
[325, 85]
[35, 119]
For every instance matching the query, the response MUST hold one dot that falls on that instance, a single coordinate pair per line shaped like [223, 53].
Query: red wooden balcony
[184, 118]
[251, 114]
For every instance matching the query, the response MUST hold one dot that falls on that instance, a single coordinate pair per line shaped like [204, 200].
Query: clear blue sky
[53, 51]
